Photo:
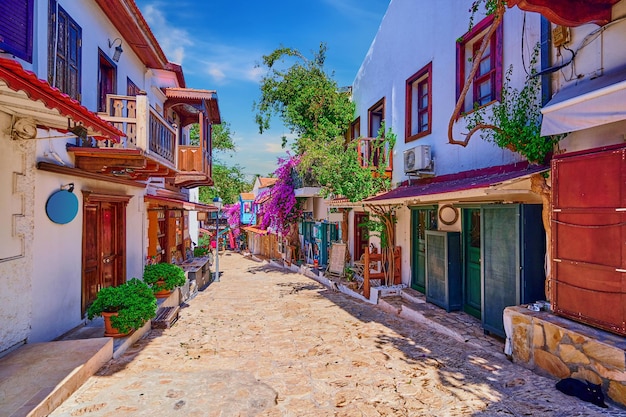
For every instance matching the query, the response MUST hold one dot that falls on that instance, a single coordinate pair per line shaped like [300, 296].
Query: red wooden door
[360, 235]
[589, 238]
[104, 257]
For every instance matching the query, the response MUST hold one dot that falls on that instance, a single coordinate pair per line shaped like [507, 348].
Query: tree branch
[499, 14]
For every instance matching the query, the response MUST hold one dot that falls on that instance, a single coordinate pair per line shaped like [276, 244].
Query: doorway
[422, 219]
[472, 299]
[361, 240]
[104, 245]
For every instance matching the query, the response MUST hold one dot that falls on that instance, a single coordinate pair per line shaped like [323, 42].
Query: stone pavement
[265, 342]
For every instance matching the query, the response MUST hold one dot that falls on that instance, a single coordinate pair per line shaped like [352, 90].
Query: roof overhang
[569, 12]
[133, 28]
[76, 172]
[506, 183]
[37, 104]
[255, 230]
[160, 201]
[586, 104]
[188, 102]
[132, 164]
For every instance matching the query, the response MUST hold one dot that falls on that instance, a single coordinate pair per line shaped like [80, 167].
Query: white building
[96, 183]
[472, 202]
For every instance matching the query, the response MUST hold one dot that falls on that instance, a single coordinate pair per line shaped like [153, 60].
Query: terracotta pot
[162, 293]
[109, 330]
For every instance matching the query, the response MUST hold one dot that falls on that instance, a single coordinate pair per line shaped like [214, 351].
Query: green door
[471, 240]
[422, 219]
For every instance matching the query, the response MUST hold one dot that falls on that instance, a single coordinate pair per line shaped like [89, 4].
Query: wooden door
[361, 241]
[422, 219]
[104, 247]
[472, 302]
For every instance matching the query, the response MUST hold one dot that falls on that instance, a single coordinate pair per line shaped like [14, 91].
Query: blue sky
[218, 43]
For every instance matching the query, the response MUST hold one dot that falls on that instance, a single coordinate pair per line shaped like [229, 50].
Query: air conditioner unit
[417, 159]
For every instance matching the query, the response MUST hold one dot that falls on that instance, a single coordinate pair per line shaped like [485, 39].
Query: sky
[220, 43]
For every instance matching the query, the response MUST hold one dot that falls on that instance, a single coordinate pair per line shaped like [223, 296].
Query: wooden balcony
[372, 156]
[149, 149]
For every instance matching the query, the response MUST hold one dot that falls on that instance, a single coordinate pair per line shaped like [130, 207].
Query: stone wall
[545, 342]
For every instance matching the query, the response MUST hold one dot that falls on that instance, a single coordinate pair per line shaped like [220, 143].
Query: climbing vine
[514, 122]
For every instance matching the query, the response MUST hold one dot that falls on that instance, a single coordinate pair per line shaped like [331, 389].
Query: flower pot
[162, 293]
[109, 330]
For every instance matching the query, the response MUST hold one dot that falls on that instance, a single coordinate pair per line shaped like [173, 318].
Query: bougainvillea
[233, 214]
[281, 209]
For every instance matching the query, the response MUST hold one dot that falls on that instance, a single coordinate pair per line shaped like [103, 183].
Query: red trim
[460, 181]
[567, 12]
[18, 79]
[426, 71]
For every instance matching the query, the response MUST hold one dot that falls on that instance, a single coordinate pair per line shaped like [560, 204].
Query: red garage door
[589, 237]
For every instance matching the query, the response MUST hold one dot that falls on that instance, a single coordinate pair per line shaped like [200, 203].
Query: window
[355, 129]
[131, 88]
[376, 117]
[107, 75]
[16, 28]
[487, 82]
[64, 51]
[418, 104]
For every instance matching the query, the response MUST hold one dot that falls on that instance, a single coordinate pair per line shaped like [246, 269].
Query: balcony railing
[144, 127]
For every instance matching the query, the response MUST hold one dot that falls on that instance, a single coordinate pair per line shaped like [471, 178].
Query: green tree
[221, 136]
[229, 182]
[304, 96]
[309, 102]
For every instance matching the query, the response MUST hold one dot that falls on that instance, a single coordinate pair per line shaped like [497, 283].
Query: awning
[500, 183]
[25, 96]
[179, 204]
[193, 101]
[587, 104]
[255, 230]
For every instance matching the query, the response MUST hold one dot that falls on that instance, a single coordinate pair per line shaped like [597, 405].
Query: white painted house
[468, 224]
[96, 164]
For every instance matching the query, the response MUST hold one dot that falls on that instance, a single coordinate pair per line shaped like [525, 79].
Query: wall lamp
[118, 48]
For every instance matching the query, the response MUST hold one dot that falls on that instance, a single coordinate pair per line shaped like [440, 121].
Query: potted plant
[124, 308]
[200, 251]
[163, 278]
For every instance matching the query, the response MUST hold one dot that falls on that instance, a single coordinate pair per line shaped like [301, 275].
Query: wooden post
[366, 273]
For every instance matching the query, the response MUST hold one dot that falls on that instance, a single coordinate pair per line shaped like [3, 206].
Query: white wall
[411, 35]
[16, 235]
[57, 249]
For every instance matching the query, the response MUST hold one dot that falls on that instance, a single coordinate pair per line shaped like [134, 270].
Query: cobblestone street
[263, 342]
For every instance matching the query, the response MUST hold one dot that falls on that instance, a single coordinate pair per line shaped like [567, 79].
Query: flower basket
[133, 302]
[163, 278]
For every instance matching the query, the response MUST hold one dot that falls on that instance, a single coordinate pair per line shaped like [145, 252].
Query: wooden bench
[165, 318]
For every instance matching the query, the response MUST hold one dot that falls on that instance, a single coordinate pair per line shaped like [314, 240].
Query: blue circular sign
[62, 207]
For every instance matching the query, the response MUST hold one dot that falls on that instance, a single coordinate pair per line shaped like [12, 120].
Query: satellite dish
[62, 206]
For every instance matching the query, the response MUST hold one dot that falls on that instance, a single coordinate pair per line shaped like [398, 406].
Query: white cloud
[173, 40]
[227, 63]
[273, 147]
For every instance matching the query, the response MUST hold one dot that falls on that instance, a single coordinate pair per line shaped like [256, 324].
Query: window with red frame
[376, 118]
[418, 104]
[355, 129]
[487, 81]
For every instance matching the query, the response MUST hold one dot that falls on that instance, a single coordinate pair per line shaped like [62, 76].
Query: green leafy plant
[200, 251]
[515, 121]
[134, 302]
[164, 276]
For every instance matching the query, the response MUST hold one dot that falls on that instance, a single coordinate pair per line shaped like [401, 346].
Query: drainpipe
[545, 52]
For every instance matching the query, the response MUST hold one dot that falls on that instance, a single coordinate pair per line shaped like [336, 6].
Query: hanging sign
[62, 206]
